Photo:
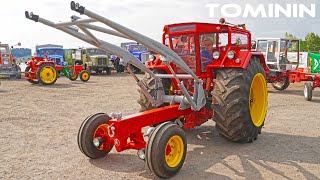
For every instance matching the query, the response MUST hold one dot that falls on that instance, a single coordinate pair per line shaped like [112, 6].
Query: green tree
[313, 42]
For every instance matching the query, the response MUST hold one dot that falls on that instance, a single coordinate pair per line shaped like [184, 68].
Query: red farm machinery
[283, 59]
[45, 71]
[203, 71]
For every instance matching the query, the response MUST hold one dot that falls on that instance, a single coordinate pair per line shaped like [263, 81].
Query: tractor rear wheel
[240, 100]
[282, 84]
[149, 81]
[92, 134]
[30, 80]
[47, 74]
[84, 76]
[166, 150]
[307, 91]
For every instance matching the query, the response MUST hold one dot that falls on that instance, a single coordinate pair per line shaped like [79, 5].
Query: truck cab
[139, 51]
[95, 59]
[53, 52]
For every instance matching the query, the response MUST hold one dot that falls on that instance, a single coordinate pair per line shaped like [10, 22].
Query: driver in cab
[206, 52]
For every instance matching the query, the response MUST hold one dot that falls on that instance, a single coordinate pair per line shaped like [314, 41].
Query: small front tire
[94, 126]
[166, 150]
[84, 76]
[307, 91]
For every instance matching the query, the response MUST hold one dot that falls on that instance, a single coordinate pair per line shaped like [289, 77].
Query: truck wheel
[166, 150]
[47, 74]
[307, 91]
[240, 100]
[108, 71]
[92, 136]
[145, 104]
[84, 76]
[282, 84]
[74, 77]
[18, 75]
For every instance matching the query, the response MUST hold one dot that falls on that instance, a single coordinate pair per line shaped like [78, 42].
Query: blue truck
[138, 50]
[54, 52]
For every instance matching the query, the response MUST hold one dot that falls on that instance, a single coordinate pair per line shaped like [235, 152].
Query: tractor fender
[45, 62]
[258, 55]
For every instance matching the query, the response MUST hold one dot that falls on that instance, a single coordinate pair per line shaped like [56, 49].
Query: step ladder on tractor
[202, 71]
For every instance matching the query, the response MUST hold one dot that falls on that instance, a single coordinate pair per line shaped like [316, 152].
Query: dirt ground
[39, 125]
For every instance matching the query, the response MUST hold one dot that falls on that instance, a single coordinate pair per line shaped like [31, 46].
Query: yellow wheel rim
[48, 74]
[258, 99]
[174, 151]
[74, 76]
[85, 76]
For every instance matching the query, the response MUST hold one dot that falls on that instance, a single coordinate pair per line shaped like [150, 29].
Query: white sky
[144, 16]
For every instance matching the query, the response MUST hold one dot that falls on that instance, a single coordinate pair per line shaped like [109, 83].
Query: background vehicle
[8, 64]
[180, 90]
[283, 59]
[94, 59]
[54, 52]
[45, 71]
[137, 50]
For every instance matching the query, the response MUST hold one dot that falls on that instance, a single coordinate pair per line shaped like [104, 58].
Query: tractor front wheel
[27, 70]
[240, 100]
[93, 134]
[47, 74]
[84, 76]
[307, 91]
[73, 77]
[282, 84]
[166, 150]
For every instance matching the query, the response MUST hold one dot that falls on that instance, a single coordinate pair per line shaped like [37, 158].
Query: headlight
[216, 55]
[152, 58]
[231, 54]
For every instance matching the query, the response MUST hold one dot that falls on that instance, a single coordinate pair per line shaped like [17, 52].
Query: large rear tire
[47, 74]
[145, 104]
[240, 99]
[282, 84]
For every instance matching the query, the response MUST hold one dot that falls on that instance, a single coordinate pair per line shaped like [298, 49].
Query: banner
[314, 59]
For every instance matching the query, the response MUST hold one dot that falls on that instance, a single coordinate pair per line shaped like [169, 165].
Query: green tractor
[95, 60]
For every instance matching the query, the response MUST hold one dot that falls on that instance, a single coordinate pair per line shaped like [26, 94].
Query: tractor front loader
[202, 71]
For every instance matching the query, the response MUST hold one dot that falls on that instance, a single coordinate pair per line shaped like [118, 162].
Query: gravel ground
[39, 125]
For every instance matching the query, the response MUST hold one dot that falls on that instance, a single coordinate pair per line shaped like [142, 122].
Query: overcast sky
[145, 16]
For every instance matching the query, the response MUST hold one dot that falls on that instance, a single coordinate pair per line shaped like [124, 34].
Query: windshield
[96, 52]
[184, 46]
[4, 49]
[51, 52]
[138, 48]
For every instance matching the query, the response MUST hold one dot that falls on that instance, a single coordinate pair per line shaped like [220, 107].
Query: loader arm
[196, 102]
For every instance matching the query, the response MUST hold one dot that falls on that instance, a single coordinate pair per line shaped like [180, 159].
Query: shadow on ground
[209, 149]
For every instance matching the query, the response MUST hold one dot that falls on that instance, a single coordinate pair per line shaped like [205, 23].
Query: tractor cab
[280, 54]
[204, 46]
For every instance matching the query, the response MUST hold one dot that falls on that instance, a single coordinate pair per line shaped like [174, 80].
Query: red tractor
[44, 71]
[203, 71]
